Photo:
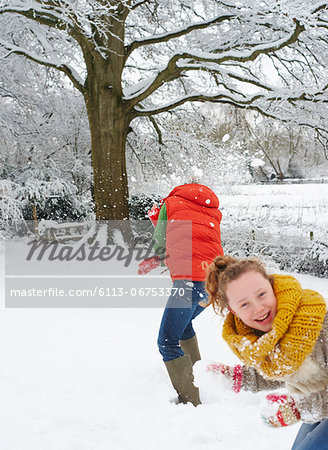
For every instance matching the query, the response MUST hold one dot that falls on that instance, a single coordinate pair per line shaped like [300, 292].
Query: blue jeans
[182, 307]
[312, 436]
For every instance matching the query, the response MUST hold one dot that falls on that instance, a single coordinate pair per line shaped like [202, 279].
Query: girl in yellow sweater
[280, 333]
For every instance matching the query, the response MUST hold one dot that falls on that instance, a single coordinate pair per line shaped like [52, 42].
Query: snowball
[206, 377]
[269, 409]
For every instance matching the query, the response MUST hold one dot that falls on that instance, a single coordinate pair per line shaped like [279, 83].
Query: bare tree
[139, 58]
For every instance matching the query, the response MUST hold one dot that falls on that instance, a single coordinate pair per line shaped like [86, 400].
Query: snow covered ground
[92, 379]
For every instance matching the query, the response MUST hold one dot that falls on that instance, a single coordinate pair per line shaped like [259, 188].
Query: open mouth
[263, 318]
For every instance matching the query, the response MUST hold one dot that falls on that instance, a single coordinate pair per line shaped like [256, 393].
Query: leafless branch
[165, 37]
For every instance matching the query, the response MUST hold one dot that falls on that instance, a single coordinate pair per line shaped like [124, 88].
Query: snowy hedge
[287, 253]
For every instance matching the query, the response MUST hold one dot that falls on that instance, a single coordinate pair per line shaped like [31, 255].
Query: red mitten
[233, 373]
[153, 214]
[281, 412]
[148, 264]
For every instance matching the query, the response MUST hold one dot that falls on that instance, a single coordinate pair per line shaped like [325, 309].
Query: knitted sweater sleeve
[314, 407]
[159, 237]
[254, 382]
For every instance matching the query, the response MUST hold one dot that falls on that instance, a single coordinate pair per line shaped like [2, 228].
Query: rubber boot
[180, 373]
[190, 347]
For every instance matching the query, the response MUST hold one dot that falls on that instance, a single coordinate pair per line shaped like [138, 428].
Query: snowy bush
[11, 217]
[9, 201]
[293, 255]
[139, 204]
[53, 200]
[316, 260]
[283, 224]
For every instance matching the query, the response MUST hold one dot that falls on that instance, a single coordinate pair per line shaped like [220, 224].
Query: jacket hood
[196, 193]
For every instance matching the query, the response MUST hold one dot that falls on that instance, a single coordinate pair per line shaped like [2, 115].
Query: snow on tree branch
[174, 67]
[47, 15]
[164, 37]
[54, 63]
[247, 55]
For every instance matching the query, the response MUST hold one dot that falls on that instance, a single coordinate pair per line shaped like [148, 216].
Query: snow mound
[213, 387]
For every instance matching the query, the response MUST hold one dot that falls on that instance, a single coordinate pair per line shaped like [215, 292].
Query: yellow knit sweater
[295, 329]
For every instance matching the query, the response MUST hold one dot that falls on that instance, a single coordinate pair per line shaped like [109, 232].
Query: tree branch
[242, 102]
[157, 129]
[46, 15]
[192, 98]
[136, 5]
[248, 55]
[173, 70]
[70, 72]
[165, 37]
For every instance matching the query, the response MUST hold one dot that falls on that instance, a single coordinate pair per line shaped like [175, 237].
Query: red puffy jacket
[193, 231]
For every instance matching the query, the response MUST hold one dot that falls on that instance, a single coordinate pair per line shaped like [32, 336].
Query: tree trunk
[109, 125]
[109, 117]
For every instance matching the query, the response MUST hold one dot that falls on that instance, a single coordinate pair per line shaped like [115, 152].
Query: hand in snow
[281, 411]
[148, 264]
[233, 373]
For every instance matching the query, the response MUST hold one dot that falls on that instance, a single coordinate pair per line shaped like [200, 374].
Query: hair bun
[222, 262]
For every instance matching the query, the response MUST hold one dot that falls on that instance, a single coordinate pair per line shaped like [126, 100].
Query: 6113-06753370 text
[98, 291]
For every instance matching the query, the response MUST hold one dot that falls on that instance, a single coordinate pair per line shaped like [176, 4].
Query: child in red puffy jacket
[188, 233]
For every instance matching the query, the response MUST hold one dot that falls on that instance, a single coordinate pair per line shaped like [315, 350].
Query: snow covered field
[285, 209]
[277, 209]
[92, 379]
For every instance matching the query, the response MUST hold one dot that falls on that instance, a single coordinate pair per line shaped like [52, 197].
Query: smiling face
[252, 299]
